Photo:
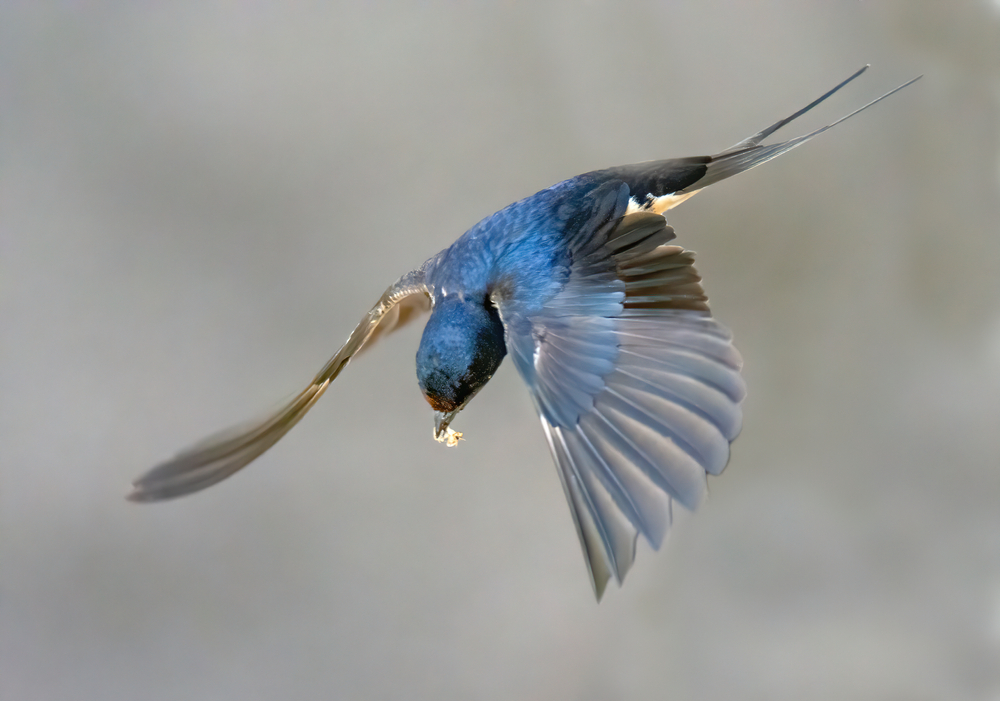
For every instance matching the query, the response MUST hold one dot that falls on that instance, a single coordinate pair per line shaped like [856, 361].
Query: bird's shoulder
[523, 255]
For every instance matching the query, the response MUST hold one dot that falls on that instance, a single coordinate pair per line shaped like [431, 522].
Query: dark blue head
[462, 346]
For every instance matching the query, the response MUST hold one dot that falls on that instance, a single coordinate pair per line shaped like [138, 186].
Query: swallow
[637, 386]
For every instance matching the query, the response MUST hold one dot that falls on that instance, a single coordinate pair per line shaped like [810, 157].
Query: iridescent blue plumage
[637, 387]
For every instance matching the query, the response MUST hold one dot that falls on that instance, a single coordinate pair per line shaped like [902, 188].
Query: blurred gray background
[200, 200]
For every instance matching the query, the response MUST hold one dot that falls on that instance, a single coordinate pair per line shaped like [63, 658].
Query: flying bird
[637, 386]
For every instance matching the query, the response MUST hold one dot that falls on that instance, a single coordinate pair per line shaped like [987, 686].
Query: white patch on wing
[659, 205]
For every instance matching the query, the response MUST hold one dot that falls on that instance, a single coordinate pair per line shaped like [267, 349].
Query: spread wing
[224, 453]
[637, 387]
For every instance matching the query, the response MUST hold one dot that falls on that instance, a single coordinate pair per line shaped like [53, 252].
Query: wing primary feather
[621, 456]
[664, 462]
[616, 488]
[685, 482]
[692, 395]
[699, 437]
[710, 372]
[591, 540]
[615, 521]
[716, 348]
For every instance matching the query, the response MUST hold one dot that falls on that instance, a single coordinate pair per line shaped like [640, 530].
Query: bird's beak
[441, 421]
[442, 432]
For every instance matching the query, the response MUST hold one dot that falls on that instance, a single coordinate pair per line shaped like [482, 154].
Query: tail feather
[761, 135]
[749, 153]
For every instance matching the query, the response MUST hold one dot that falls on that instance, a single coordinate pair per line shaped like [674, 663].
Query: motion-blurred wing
[405, 311]
[219, 456]
[637, 387]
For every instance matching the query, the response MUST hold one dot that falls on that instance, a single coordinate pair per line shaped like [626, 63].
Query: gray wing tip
[152, 483]
[600, 585]
[150, 487]
[219, 456]
[180, 477]
[144, 495]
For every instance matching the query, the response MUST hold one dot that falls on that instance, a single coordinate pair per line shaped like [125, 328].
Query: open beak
[442, 432]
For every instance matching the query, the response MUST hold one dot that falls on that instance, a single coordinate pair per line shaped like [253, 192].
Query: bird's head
[462, 346]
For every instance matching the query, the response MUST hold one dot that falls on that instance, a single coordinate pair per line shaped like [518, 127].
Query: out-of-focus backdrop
[200, 200]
